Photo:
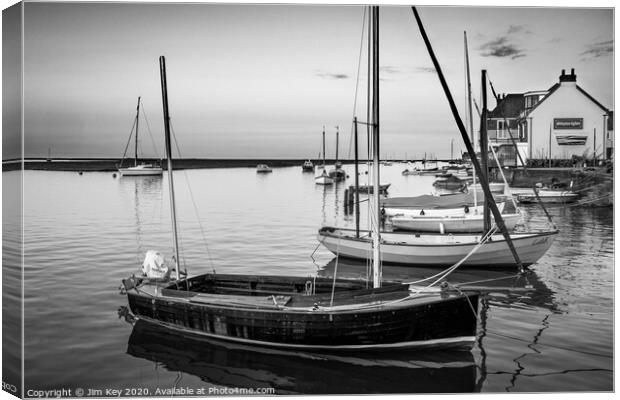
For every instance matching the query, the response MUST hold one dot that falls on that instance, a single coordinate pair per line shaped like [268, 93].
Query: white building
[558, 123]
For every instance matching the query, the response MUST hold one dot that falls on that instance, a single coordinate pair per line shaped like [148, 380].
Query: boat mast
[337, 135]
[376, 263]
[323, 148]
[485, 186]
[135, 162]
[164, 96]
[357, 183]
[471, 118]
[484, 150]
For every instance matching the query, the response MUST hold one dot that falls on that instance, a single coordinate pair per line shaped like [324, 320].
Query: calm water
[83, 234]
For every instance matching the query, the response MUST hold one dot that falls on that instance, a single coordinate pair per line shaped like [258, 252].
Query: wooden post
[594, 155]
[549, 145]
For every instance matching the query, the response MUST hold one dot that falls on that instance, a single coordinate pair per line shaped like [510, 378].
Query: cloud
[331, 75]
[599, 49]
[390, 69]
[427, 70]
[501, 47]
[513, 29]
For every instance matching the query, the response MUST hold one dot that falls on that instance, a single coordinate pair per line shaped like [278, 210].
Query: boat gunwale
[371, 305]
[522, 236]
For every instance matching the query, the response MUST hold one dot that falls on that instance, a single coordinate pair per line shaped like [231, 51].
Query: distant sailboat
[142, 168]
[324, 178]
[307, 166]
[263, 169]
[337, 174]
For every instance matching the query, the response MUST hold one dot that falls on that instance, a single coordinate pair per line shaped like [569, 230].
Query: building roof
[509, 106]
[557, 85]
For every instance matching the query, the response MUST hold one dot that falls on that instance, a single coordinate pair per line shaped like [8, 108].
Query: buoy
[113, 175]
[80, 172]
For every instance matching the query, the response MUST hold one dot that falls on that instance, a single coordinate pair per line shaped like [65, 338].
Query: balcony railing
[507, 140]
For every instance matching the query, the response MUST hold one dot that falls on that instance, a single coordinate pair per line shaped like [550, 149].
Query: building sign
[568, 123]
[572, 140]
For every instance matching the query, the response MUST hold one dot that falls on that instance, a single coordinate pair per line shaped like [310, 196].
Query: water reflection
[239, 365]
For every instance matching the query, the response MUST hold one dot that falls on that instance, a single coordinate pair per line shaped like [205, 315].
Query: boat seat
[246, 301]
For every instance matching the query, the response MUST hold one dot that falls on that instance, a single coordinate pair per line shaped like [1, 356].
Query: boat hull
[495, 187]
[458, 224]
[369, 189]
[323, 180]
[435, 320]
[547, 198]
[140, 171]
[431, 250]
[437, 212]
[337, 175]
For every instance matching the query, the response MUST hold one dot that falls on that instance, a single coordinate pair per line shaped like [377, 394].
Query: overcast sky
[261, 81]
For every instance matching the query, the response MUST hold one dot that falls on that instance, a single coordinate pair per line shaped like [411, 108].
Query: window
[501, 130]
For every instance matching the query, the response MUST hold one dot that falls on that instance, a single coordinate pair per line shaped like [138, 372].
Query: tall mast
[357, 184]
[323, 147]
[164, 97]
[485, 186]
[137, 120]
[337, 134]
[484, 150]
[376, 263]
[471, 118]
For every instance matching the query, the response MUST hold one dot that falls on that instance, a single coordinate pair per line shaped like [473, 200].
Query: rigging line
[357, 80]
[506, 125]
[331, 302]
[148, 128]
[506, 187]
[128, 141]
[191, 193]
[449, 270]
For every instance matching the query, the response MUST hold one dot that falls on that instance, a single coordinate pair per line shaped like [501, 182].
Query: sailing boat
[488, 249]
[468, 221]
[142, 168]
[307, 166]
[324, 178]
[289, 312]
[337, 174]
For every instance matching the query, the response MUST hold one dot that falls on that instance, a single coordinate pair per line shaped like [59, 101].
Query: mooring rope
[449, 270]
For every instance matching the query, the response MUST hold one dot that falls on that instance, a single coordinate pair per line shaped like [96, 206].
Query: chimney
[568, 78]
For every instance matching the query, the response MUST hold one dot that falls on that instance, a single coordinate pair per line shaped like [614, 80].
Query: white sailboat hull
[495, 187]
[140, 171]
[323, 180]
[438, 250]
[437, 212]
[454, 224]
